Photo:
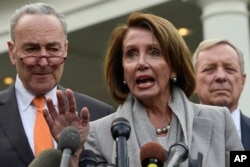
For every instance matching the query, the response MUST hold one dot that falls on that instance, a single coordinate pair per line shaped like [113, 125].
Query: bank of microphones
[152, 154]
[120, 130]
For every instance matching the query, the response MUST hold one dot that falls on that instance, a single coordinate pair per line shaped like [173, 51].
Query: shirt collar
[236, 114]
[24, 97]
[236, 118]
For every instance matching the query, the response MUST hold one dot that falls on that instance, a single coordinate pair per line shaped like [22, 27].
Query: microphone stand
[120, 131]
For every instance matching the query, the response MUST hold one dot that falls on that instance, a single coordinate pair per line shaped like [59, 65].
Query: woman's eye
[131, 53]
[155, 52]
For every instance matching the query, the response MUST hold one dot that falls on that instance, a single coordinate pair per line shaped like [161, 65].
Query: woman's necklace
[163, 130]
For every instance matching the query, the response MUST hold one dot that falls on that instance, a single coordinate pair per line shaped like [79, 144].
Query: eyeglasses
[34, 60]
[31, 57]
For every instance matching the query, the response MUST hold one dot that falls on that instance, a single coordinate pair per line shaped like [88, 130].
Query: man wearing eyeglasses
[38, 50]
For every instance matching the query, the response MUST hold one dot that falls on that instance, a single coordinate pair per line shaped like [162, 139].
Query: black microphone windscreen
[48, 158]
[87, 158]
[69, 138]
[152, 152]
[120, 127]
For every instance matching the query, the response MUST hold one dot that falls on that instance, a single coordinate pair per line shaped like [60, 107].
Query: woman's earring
[174, 79]
[124, 82]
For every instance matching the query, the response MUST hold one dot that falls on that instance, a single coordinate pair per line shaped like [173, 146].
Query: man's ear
[11, 50]
[243, 81]
[66, 47]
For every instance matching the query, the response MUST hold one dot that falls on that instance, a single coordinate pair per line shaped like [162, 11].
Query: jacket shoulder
[209, 111]
[96, 107]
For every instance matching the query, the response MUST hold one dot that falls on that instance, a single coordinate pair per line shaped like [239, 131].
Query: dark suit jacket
[14, 146]
[245, 131]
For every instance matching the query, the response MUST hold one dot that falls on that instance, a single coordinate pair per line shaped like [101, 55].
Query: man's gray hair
[206, 44]
[34, 9]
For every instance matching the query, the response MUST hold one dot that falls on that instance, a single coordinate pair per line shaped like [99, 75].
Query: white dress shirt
[236, 118]
[28, 111]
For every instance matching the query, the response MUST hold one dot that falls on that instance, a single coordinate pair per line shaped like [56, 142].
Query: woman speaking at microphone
[149, 73]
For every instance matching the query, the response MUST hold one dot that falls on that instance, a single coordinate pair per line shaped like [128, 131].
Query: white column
[229, 19]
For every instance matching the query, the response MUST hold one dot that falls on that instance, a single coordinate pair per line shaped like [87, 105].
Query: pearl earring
[174, 79]
[124, 82]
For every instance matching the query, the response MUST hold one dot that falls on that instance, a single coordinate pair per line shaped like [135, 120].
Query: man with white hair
[220, 79]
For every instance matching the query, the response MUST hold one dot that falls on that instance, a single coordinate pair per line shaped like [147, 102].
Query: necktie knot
[38, 101]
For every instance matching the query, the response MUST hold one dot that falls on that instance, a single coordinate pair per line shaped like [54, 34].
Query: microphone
[120, 130]
[152, 154]
[49, 158]
[177, 153]
[87, 159]
[68, 143]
